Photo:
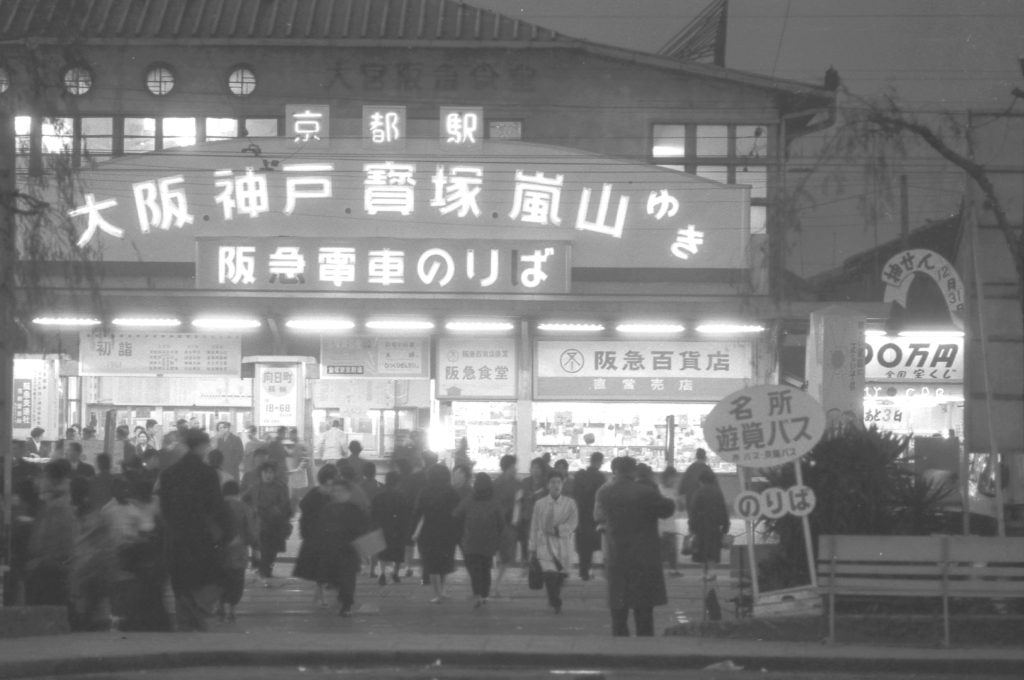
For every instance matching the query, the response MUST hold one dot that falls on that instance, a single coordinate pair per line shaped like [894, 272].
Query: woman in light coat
[551, 537]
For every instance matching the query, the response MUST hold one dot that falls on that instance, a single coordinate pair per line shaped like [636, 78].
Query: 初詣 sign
[159, 353]
[764, 426]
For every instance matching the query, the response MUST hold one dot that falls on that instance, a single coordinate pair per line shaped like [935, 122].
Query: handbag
[370, 544]
[689, 544]
[535, 576]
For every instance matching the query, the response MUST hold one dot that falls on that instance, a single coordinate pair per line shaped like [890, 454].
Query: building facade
[399, 214]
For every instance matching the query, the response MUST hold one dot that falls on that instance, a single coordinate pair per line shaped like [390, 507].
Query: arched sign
[899, 272]
[764, 426]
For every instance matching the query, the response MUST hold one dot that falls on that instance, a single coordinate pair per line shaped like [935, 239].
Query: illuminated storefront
[395, 235]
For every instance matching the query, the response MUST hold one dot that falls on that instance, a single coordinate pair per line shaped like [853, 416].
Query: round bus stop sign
[764, 426]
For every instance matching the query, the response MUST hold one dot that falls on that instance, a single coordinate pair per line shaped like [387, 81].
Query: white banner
[160, 353]
[907, 360]
[476, 368]
[643, 370]
[375, 357]
[278, 395]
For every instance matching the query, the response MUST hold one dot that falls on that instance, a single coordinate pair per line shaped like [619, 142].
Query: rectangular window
[97, 138]
[729, 154]
[504, 129]
[669, 141]
[58, 135]
[712, 140]
[260, 127]
[751, 141]
[139, 135]
[756, 177]
[221, 128]
[178, 132]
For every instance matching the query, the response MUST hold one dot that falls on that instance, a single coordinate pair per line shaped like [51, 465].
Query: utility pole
[8, 282]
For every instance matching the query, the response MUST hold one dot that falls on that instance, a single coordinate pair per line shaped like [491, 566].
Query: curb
[965, 667]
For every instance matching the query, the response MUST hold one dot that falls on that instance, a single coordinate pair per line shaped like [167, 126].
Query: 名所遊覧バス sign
[764, 426]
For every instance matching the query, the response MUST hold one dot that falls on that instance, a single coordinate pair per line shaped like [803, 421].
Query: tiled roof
[181, 20]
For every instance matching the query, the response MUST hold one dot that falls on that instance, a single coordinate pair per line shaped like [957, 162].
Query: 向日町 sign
[764, 426]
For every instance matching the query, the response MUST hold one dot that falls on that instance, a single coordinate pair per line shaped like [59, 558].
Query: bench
[919, 566]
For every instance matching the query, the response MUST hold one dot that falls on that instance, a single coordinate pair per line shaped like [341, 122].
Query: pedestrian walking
[708, 523]
[196, 527]
[391, 511]
[588, 541]
[439, 533]
[689, 482]
[534, 487]
[235, 559]
[310, 509]
[667, 527]
[506, 491]
[552, 526]
[483, 524]
[269, 500]
[341, 522]
[629, 512]
[51, 546]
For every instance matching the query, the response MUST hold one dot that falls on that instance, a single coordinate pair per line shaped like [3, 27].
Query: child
[235, 557]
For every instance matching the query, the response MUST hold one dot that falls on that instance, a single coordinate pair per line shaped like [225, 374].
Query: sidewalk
[397, 625]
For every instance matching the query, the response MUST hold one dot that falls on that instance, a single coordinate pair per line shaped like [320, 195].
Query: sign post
[766, 426]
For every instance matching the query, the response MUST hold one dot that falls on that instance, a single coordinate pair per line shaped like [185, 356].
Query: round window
[5, 79]
[242, 81]
[78, 80]
[160, 80]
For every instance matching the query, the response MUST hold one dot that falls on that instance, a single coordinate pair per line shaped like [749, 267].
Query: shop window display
[637, 430]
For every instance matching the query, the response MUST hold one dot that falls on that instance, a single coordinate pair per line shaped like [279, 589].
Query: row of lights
[331, 324]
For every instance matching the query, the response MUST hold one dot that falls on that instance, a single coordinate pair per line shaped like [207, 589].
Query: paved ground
[396, 626]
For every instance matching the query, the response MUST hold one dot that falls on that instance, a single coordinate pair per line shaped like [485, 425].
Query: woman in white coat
[551, 537]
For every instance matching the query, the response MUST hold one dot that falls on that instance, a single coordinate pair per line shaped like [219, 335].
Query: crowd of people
[200, 511]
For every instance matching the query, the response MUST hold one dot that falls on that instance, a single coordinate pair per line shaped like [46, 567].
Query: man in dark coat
[196, 524]
[629, 512]
[690, 481]
[231, 446]
[585, 488]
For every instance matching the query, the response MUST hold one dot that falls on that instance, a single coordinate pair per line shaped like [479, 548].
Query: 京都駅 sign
[382, 265]
[764, 426]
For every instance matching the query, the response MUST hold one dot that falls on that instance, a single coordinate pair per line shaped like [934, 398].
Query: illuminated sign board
[642, 370]
[374, 357]
[382, 265]
[764, 426]
[503, 190]
[384, 127]
[476, 368]
[462, 127]
[155, 353]
[308, 122]
[902, 359]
